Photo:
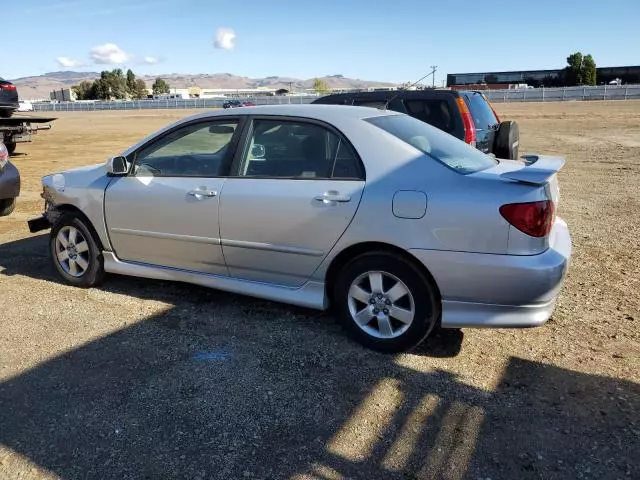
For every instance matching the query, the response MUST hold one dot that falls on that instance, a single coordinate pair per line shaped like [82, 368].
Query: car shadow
[163, 399]
[223, 387]
[30, 257]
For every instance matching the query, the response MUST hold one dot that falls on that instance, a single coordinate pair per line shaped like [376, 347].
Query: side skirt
[310, 295]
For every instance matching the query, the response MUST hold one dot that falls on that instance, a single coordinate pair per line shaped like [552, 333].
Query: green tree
[573, 71]
[131, 83]
[160, 86]
[118, 83]
[320, 86]
[588, 70]
[84, 90]
[101, 88]
[140, 90]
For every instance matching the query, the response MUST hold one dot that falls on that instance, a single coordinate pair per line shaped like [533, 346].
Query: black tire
[11, 147]
[5, 113]
[7, 206]
[94, 272]
[507, 142]
[426, 301]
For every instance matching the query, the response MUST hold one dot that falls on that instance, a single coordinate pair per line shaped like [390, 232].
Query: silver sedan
[398, 226]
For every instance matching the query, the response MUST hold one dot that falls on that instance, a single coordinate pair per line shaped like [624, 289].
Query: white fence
[603, 92]
[162, 104]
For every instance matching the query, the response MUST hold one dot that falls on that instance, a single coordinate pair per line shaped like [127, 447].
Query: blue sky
[395, 42]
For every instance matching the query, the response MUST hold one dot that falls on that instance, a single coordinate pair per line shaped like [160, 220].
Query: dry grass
[560, 401]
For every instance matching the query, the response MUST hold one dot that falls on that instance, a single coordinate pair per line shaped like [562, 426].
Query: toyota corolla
[396, 225]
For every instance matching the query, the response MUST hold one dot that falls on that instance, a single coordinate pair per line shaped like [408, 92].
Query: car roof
[326, 113]
[384, 94]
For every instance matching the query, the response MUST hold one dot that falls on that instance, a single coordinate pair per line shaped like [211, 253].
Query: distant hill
[38, 87]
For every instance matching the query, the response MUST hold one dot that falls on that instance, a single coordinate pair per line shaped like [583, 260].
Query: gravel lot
[147, 379]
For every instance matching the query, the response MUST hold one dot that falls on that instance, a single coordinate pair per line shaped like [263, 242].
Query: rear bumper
[508, 291]
[9, 181]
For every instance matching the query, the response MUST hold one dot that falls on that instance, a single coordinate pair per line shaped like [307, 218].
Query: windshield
[439, 145]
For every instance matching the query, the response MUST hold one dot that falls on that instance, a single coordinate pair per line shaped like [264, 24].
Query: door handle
[202, 193]
[333, 197]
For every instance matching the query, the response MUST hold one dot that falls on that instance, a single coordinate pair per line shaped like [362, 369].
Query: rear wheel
[7, 206]
[76, 252]
[11, 147]
[385, 302]
[5, 113]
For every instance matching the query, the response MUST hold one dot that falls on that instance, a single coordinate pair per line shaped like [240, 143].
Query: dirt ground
[147, 379]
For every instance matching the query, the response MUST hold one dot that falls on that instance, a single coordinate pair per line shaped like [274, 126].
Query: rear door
[484, 119]
[294, 189]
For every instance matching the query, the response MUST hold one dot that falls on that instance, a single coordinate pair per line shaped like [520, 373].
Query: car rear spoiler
[538, 169]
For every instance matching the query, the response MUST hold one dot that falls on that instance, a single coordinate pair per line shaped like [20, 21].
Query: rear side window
[481, 112]
[439, 145]
[436, 112]
[292, 149]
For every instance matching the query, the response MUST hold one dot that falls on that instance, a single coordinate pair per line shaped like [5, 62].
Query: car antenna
[393, 97]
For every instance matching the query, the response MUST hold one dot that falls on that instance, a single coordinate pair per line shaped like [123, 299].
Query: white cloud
[109, 53]
[225, 39]
[151, 60]
[66, 62]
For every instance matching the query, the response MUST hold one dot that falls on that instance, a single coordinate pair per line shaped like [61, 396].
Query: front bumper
[493, 291]
[9, 181]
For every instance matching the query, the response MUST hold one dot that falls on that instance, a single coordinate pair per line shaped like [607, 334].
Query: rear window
[439, 145]
[481, 112]
[436, 112]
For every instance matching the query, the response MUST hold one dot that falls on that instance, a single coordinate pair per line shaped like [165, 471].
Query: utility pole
[433, 75]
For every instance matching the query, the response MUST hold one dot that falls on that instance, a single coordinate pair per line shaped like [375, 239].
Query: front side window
[290, 149]
[196, 150]
[437, 144]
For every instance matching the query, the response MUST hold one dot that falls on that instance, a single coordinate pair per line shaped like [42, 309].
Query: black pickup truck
[465, 114]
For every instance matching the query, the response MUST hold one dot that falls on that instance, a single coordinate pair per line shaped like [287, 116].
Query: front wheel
[75, 252]
[385, 302]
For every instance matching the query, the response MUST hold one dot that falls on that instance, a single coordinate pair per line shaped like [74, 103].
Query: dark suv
[467, 115]
[8, 98]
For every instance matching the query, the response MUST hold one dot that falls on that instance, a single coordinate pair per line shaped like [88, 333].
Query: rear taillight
[7, 86]
[532, 218]
[467, 122]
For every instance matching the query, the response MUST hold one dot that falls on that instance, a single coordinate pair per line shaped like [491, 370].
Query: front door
[165, 212]
[294, 191]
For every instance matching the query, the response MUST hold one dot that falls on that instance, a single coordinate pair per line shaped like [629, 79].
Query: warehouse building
[541, 78]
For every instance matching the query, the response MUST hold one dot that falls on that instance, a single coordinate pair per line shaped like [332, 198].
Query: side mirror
[117, 166]
[258, 151]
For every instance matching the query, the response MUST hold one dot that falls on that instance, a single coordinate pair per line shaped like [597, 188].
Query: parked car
[465, 114]
[8, 98]
[237, 103]
[25, 106]
[9, 183]
[396, 224]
